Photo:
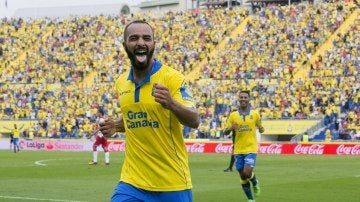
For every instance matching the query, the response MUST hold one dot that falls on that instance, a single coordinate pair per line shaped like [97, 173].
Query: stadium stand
[57, 72]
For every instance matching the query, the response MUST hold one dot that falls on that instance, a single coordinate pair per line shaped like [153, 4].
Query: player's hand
[234, 126]
[108, 127]
[162, 95]
[261, 129]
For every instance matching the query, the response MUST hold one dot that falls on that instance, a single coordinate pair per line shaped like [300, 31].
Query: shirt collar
[246, 113]
[155, 67]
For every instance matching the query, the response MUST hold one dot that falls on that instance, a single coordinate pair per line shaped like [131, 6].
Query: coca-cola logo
[112, 146]
[348, 150]
[195, 148]
[270, 149]
[220, 148]
[316, 149]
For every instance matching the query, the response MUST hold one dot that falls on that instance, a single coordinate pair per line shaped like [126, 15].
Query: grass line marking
[40, 162]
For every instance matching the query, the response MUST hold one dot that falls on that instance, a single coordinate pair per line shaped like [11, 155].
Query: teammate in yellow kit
[15, 135]
[245, 122]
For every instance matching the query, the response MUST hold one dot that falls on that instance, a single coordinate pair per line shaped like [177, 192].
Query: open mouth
[243, 102]
[141, 55]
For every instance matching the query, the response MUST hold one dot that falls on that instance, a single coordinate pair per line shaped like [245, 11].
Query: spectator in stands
[352, 135]
[328, 135]
[338, 124]
[357, 135]
[344, 134]
[202, 129]
[193, 134]
[252, 59]
[63, 132]
[162, 107]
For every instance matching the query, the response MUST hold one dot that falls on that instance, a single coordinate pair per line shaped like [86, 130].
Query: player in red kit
[100, 140]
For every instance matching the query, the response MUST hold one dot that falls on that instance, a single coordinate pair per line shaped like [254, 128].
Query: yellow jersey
[245, 136]
[16, 132]
[155, 157]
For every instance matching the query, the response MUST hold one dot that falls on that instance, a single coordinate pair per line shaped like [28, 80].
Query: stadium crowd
[60, 71]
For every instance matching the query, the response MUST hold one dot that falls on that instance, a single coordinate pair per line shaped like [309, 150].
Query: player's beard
[140, 62]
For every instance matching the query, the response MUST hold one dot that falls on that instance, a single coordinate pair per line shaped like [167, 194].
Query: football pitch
[66, 176]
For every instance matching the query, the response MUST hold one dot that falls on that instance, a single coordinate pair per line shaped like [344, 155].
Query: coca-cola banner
[116, 146]
[312, 149]
[264, 148]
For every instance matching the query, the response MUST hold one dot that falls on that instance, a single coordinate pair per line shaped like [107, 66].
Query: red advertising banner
[310, 149]
[116, 146]
[265, 148]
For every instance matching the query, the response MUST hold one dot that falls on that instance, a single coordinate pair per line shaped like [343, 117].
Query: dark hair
[136, 22]
[245, 91]
[101, 111]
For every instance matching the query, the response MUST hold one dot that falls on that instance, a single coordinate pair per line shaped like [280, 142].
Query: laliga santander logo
[220, 148]
[195, 148]
[348, 150]
[309, 149]
[270, 149]
[112, 146]
[22, 144]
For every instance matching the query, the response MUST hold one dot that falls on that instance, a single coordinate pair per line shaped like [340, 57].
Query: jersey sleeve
[181, 91]
[258, 120]
[229, 122]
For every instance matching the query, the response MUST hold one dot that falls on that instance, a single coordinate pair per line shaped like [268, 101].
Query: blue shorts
[242, 160]
[15, 140]
[127, 193]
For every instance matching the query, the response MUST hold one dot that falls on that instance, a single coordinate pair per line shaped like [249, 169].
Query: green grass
[66, 176]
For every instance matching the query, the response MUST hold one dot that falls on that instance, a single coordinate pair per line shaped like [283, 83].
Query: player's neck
[140, 74]
[243, 110]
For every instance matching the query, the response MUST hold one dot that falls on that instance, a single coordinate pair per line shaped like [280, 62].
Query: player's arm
[227, 131]
[259, 126]
[110, 126]
[230, 134]
[233, 127]
[93, 134]
[186, 116]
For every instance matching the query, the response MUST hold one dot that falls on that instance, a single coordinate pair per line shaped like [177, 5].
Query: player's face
[139, 45]
[244, 99]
